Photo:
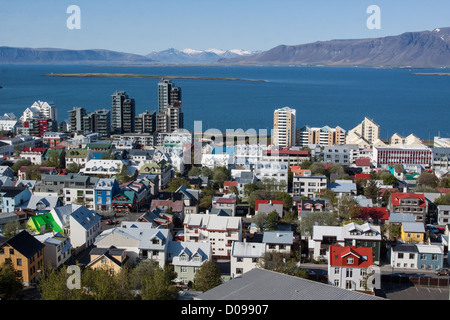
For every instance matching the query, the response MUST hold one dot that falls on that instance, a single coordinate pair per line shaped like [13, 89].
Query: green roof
[36, 223]
[99, 145]
[126, 194]
[48, 151]
[77, 153]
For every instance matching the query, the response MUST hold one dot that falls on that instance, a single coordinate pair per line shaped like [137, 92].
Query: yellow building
[26, 254]
[412, 232]
[111, 259]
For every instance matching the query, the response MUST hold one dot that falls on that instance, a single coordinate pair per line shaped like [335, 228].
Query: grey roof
[85, 217]
[281, 237]
[260, 284]
[405, 247]
[248, 249]
[413, 227]
[401, 217]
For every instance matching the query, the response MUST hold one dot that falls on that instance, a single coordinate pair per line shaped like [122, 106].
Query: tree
[443, 200]
[221, 174]
[10, 282]
[20, 163]
[428, 179]
[309, 220]
[282, 263]
[371, 191]
[207, 276]
[158, 286]
[388, 179]
[205, 203]
[52, 285]
[11, 229]
[249, 188]
[103, 285]
[177, 182]
[53, 160]
[305, 164]
[73, 167]
[346, 203]
[259, 220]
[123, 176]
[207, 172]
[272, 221]
[194, 172]
[317, 168]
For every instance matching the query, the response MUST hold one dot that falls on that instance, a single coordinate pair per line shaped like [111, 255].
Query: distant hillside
[9, 55]
[411, 49]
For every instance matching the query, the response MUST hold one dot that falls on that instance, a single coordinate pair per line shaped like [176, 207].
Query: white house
[245, 256]
[273, 170]
[278, 241]
[84, 227]
[57, 248]
[140, 243]
[308, 186]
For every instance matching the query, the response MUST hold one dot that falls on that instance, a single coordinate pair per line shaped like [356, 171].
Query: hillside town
[327, 213]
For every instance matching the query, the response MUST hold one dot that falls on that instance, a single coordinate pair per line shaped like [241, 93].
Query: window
[434, 257]
[400, 255]
[349, 273]
[349, 260]
[11, 251]
[183, 269]
[412, 256]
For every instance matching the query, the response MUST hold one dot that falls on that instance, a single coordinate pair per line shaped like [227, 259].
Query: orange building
[26, 254]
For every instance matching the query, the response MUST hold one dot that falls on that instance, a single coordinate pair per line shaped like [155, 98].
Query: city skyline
[250, 25]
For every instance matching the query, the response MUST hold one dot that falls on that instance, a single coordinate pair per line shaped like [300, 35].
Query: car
[109, 221]
[443, 272]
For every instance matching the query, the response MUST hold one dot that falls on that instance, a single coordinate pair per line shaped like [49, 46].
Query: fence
[417, 281]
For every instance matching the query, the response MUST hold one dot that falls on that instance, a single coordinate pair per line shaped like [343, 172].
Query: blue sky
[143, 26]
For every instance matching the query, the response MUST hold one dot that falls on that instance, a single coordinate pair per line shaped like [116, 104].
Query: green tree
[11, 228]
[317, 168]
[73, 167]
[102, 285]
[249, 188]
[207, 172]
[443, 200]
[371, 191]
[309, 220]
[195, 171]
[207, 276]
[205, 203]
[158, 286]
[221, 174]
[122, 176]
[52, 285]
[259, 220]
[389, 179]
[282, 263]
[20, 163]
[10, 282]
[429, 179]
[53, 160]
[345, 205]
[177, 182]
[272, 221]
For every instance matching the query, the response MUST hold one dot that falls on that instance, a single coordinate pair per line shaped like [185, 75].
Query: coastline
[144, 76]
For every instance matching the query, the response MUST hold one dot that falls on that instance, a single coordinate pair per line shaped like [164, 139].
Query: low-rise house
[52, 139]
[84, 228]
[414, 203]
[267, 206]
[187, 258]
[443, 215]
[140, 243]
[227, 201]
[341, 187]
[313, 205]
[79, 189]
[104, 191]
[349, 268]
[308, 186]
[43, 202]
[34, 155]
[140, 191]
[416, 257]
[124, 201]
[412, 232]
[276, 171]
[107, 168]
[57, 248]
[190, 198]
[43, 223]
[220, 231]
[245, 256]
[12, 198]
[6, 171]
[352, 234]
[162, 169]
[78, 156]
[26, 254]
[110, 259]
[278, 241]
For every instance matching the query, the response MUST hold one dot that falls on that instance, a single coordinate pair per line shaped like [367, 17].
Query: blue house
[430, 257]
[12, 198]
[104, 190]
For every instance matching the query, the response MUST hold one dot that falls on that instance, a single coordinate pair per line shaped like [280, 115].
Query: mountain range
[423, 49]
[411, 49]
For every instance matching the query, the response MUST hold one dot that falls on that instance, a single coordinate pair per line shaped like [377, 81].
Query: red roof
[226, 200]
[362, 256]
[230, 184]
[258, 202]
[381, 213]
[397, 196]
[177, 206]
[34, 150]
[363, 162]
[362, 176]
[443, 190]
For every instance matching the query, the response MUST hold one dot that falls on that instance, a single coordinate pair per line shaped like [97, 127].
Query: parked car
[109, 221]
[443, 272]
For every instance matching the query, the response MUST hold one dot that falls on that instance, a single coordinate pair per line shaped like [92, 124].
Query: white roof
[248, 249]
[423, 248]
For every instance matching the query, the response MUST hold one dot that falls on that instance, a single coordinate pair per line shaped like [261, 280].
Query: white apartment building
[337, 155]
[403, 154]
[308, 186]
[272, 170]
[441, 158]
[284, 127]
[84, 227]
[220, 231]
[56, 250]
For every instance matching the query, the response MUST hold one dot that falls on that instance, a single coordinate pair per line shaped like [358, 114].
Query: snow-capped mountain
[193, 56]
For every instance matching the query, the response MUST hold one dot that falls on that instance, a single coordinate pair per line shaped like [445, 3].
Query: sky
[144, 26]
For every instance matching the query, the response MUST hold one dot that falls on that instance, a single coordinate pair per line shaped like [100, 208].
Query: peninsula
[126, 75]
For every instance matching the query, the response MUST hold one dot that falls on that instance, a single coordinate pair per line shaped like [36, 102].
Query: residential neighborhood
[360, 215]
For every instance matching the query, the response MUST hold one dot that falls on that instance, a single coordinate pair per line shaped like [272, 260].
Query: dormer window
[155, 241]
[350, 260]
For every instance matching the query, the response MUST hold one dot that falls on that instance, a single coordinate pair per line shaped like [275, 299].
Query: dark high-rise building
[145, 122]
[98, 121]
[123, 113]
[76, 116]
[170, 115]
